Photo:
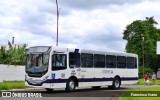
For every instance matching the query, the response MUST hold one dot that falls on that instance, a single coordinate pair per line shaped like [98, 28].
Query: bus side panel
[128, 76]
[103, 76]
[95, 77]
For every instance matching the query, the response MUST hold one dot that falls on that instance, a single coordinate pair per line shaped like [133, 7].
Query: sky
[85, 24]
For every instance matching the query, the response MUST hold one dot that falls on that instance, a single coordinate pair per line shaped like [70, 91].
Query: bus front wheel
[70, 86]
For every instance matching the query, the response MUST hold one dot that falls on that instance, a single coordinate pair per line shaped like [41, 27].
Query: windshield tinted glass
[37, 62]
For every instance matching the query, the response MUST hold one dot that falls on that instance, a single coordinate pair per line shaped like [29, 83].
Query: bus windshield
[37, 62]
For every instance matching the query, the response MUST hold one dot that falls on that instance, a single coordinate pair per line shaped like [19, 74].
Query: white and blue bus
[53, 67]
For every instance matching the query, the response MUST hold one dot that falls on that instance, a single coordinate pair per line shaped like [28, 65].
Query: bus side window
[130, 62]
[86, 60]
[110, 61]
[59, 61]
[135, 62]
[74, 59]
[121, 62]
[99, 61]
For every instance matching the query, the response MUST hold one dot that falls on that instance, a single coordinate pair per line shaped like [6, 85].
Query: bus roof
[60, 49]
[91, 51]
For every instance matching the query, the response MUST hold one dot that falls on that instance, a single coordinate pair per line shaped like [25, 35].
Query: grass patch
[7, 85]
[141, 82]
[126, 94]
[151, 90]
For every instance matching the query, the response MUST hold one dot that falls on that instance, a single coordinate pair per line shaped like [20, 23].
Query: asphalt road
[83, 92]
[86, 93]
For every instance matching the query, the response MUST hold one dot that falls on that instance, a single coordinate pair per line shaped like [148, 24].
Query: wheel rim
[116, 83]
[71, 85]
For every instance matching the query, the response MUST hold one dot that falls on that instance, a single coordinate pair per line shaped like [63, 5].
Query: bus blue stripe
[90, 80]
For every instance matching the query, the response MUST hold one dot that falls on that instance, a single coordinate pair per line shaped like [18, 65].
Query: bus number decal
[73, 72]
[107, 71]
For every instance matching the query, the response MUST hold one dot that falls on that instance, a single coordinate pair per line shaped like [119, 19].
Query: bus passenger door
[74, 63]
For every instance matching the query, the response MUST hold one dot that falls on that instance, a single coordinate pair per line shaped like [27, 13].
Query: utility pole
[13, 40]
[57, 21]
[142, 53]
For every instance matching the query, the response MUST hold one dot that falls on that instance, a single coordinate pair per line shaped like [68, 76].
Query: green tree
[14, 55]
[3, 55]
[133, 35]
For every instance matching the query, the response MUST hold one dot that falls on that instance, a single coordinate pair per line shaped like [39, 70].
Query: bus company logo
[6, 94]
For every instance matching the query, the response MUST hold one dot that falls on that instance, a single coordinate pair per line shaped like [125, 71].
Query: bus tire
[49, 90]
[96, 87]
[70, 86]
[116, 83]
[110, 87]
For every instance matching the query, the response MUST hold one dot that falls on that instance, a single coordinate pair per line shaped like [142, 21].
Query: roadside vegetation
[141, 82]
[143, 34]
[14, 55]
[8, 85]
[126, 95]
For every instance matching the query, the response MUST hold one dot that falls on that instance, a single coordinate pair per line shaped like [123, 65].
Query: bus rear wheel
[116, 83]
[96, 87]
[70, 86]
